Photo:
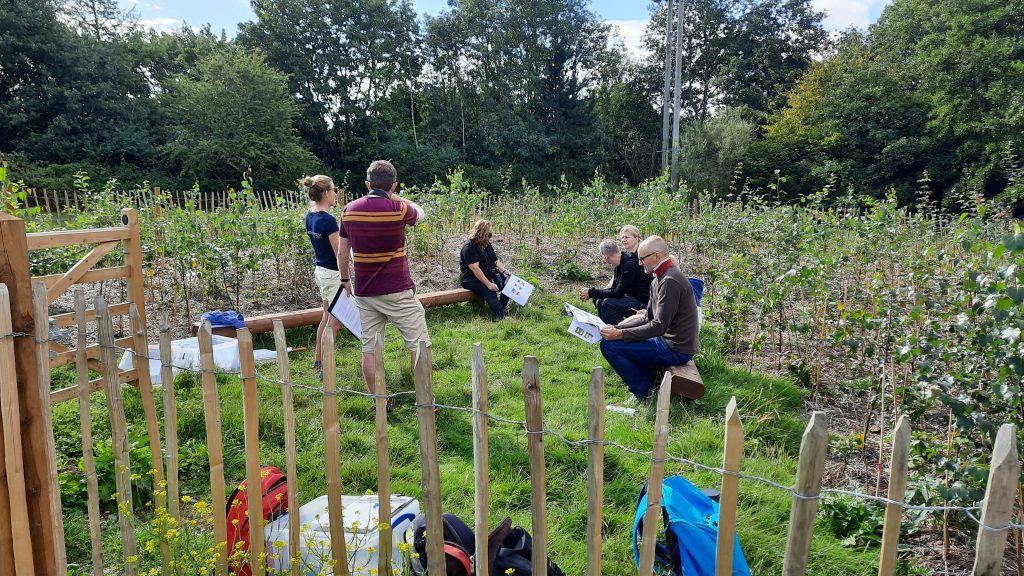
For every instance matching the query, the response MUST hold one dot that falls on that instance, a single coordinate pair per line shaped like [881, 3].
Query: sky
[629, 16]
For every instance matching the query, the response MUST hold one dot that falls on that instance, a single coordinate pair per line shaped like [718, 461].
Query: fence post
[332, 450]
[18, 542]
[85, 415]
[730, 490]
[170, 418]
[897, 491]
[383, 464]
[133, 259]
[538, 472]
[214, 444]
[119, 431]
[41, 314]
[423, 373]
[14, 272]
[813, 448]
[595, 470]
[652, 516]
[288, 405]
[251, 424]
[1003, 478]
[140, 361]
[481, 458]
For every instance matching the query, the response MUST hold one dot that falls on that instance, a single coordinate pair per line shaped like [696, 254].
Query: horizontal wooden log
[95, 385]
[97, 275]
[311, 316]
[686, 381]
[43, 240]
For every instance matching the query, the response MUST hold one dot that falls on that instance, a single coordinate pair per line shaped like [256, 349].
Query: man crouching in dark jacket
[629, 290]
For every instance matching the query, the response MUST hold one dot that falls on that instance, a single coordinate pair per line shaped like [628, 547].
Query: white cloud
[842, 14]
[161, 24]
[630, 34]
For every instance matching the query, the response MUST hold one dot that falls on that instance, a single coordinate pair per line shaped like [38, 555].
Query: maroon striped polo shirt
[375, 227]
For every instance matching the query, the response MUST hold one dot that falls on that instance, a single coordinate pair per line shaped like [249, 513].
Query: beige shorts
[328, 281]
[403, 309]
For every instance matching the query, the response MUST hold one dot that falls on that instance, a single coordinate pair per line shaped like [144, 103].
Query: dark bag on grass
[512, 548]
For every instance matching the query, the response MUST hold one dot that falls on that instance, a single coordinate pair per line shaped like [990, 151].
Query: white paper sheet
[517, 289]
[584, 325]
[343, 308]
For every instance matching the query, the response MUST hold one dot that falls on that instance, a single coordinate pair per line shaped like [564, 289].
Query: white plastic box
[185, 353]
[360, 514]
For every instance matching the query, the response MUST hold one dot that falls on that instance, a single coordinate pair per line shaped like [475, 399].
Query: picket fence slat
[538, 472]
[1003, 478]
[41, 315]
[810, 467]
[119, 431]
[140, 362]
[251, 424]
[423, 374]
[14, 464]
[170, 419]
[383, 462]
[332, 448]
[897, 491]
[481, 457]
[729, 497]
[595, 470]
[215, 446]
[288, 407]
[652, 515]
[85, 416]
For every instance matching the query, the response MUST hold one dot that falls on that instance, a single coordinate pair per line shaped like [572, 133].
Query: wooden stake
[730, 490]
[41, 314]
[170, 418]
[1003, 477]
[133, 259]
[897, 491]
[140, 361]
[332, 448]
[288, 406]
[13, 491]
[813, 448]
[119, 430]
[383, 463]
[251, 407]
[214, 444]
[423, 374]
[595, 470]
[535, 442]
[652, 516]
[481, 458]
[85, 415]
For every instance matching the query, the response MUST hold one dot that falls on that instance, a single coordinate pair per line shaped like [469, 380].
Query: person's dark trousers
[614, 310]
[636, 362]
[494, 300]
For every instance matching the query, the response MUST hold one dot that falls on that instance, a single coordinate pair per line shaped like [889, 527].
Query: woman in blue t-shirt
[481, 270]
[322, 228]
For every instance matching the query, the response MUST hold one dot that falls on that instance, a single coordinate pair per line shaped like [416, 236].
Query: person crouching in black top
[630, 288]
[481, 270]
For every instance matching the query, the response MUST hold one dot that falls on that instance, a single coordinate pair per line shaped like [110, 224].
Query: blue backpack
[691, 531]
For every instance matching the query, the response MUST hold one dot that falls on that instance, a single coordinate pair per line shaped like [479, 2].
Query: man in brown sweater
[663, 335]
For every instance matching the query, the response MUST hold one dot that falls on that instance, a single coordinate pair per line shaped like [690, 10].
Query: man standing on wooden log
[374, 228]
[666, 334]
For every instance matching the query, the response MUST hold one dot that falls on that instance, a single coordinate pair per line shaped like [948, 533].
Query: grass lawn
[770, 408]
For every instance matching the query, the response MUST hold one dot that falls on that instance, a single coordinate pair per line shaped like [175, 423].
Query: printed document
[517, 289]
[343, 308]
[584, 325]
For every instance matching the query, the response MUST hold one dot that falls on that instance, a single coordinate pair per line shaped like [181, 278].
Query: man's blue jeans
[635, 362]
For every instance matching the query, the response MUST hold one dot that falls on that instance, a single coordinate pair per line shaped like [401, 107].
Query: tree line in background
[929, 102]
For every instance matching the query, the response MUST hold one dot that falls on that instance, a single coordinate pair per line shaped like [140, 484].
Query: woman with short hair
[629, 238]
[481, 270]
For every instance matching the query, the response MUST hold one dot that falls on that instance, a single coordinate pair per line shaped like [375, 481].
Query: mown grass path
[771, 409]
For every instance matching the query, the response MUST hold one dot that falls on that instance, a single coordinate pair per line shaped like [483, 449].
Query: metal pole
[666, 91]
[678, 96]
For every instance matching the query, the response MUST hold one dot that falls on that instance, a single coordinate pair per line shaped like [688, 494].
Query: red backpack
[274, 487]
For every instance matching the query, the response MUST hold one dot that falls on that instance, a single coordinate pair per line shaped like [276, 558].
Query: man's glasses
[642, 258]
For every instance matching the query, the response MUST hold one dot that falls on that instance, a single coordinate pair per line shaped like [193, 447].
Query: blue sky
[629, 15]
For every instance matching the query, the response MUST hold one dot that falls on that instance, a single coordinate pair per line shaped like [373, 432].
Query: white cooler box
[185, 353]
[360, 514]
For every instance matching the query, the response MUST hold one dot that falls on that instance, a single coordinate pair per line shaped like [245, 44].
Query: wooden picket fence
[57, 202]
[31, 536]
